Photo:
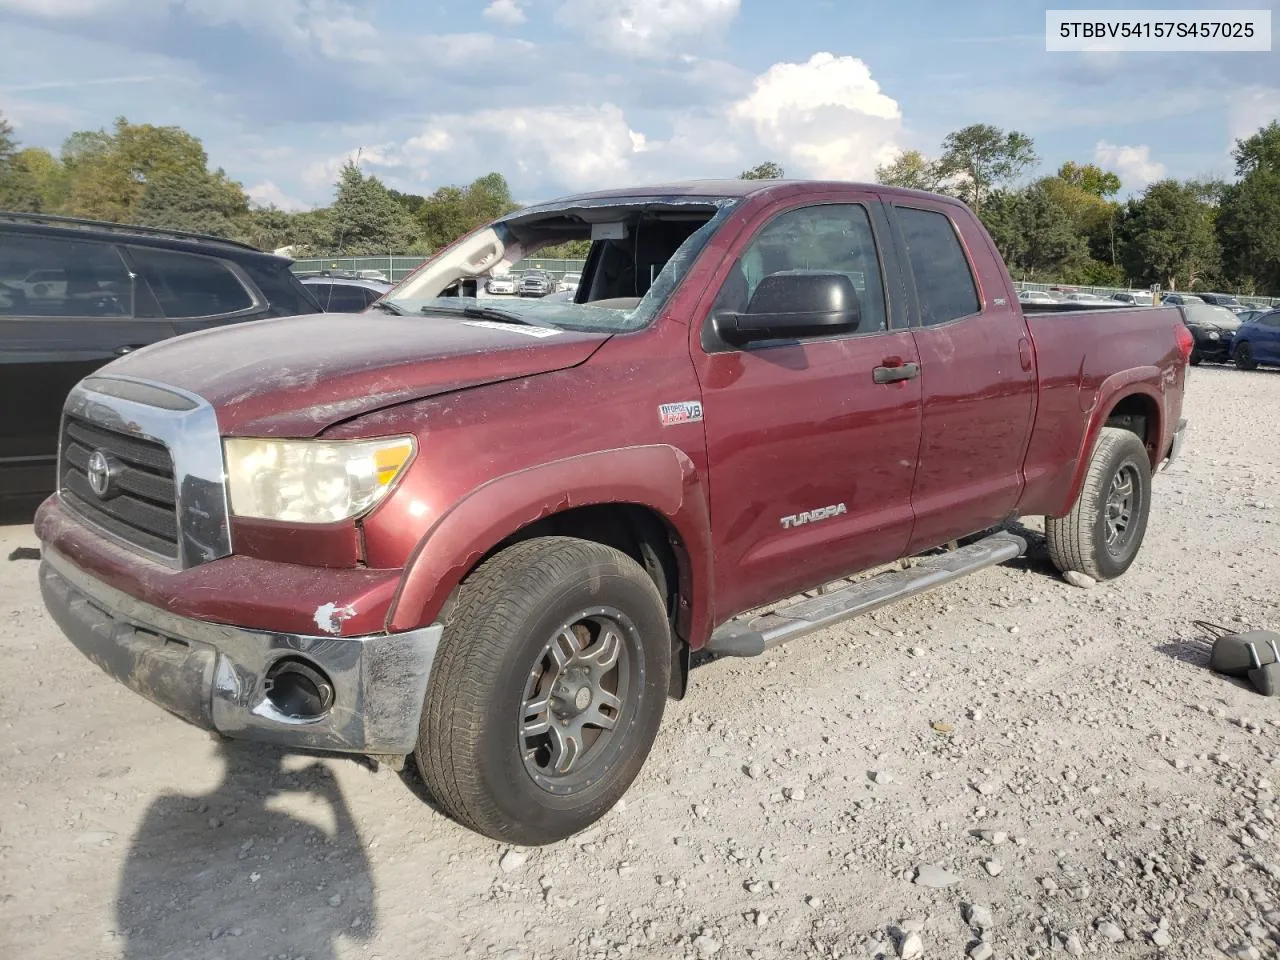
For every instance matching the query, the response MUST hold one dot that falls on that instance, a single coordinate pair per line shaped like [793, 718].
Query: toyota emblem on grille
[100, 474]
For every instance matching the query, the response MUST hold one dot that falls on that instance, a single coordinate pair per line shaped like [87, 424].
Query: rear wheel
[1101, 535]
[547, 692]
[1244, 357]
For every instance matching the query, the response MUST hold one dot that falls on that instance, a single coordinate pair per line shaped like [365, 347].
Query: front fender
[659, 477]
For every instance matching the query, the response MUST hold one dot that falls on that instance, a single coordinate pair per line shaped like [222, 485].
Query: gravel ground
[1010, 767]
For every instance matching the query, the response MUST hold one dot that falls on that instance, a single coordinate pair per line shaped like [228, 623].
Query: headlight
[1213, 334]
[312, 481]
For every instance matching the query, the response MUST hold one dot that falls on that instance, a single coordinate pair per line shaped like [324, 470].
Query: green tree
[1249, 217]
[1090, 178]
[981, 158]
[1034, 233]
[366, 218]
[194, 200]
[108, 172]
[911, 170]
[17, 190]
[1167, 235]
[453, 211]
[763, 171]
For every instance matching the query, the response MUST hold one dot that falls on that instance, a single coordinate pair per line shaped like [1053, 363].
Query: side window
[46, 277]
[189, 285]
[944, 282]
[347, 299]
[323, 292]
[829, 237]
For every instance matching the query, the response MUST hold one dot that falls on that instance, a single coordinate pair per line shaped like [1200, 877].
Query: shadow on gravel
[19, 510]
[1195, 652]
[1036, 559]
[270, 860]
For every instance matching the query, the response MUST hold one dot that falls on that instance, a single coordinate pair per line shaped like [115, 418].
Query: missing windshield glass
[640, 248]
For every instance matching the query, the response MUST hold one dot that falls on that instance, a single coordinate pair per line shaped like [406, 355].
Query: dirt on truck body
[491, 535]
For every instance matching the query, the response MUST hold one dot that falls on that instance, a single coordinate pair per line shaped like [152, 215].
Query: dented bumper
[216, 676]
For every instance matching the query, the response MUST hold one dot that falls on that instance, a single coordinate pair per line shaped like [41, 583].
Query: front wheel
[547, 692]
[1101, 535]
[1244, 357]
[1195, 358]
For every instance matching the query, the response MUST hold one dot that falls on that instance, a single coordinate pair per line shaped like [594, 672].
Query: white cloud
[267, 194]
[1133, 164]
[823, 118]
[569, 147]
[1250, 109]
[506, 12]
[646, 28]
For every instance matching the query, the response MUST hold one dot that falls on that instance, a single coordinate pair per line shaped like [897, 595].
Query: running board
[750, 638]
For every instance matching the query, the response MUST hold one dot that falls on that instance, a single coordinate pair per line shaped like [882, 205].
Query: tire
[1244, 357]
[538, 617]
[1089, 539]
[1195, 358]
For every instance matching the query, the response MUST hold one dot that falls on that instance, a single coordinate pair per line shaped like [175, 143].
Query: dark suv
[76, 294]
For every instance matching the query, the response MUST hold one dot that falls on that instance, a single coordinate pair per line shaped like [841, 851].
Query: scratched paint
[329, 617]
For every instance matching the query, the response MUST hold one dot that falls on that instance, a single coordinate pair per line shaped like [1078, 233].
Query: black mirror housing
[792, 304]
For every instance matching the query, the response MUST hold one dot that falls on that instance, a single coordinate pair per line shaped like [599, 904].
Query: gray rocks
[980, 916]
[934, 877]
[911, 947]
[1081, 580]
[993, 867]
[706, 945]
[513, 859]
[1109, 931]
[982, 950]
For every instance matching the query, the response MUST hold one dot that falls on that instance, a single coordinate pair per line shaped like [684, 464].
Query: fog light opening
[298, 690]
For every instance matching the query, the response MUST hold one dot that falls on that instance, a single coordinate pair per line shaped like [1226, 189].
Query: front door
[1266, 338]
[811, 460]
[53, 333]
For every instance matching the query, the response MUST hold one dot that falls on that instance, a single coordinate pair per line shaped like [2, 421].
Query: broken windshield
[640, 250]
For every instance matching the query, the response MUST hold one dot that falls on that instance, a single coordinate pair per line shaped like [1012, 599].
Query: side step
[750, 638]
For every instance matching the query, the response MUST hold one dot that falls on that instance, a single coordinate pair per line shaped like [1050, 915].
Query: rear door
[1267, 339]
[977, 375]
[811, 454]
[53, 334]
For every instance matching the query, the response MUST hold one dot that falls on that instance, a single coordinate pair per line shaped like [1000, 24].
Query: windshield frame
[571, 315]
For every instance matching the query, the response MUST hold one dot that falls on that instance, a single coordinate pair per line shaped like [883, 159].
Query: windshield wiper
[384, 305]
[482, 313]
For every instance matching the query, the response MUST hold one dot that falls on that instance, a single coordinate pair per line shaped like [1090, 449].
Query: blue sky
[560, 95]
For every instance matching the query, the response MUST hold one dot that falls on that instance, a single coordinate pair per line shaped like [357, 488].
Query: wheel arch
[648, 502]
[1131, 400]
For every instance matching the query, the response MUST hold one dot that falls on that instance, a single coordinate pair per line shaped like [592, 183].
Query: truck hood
[296, 376]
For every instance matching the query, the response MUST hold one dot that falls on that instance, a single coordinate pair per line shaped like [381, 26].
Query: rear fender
[659, 477]
[1144, 381]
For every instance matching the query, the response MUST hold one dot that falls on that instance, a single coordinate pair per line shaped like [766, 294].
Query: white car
[377, 275]
[500, 285]
[44, 284]
[569, 282]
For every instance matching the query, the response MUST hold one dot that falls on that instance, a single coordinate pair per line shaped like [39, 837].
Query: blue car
[1257, 342]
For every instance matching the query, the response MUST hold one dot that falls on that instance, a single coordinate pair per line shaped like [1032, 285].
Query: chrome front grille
[140, 506]
[141, 462]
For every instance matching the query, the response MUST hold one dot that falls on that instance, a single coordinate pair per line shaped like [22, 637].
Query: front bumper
[213, 675]
[1215, 351]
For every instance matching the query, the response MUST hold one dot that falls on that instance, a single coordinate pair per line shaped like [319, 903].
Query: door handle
[904, 371]
[128, 348]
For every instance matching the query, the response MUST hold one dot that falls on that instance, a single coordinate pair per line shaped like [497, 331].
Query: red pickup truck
[489, 532]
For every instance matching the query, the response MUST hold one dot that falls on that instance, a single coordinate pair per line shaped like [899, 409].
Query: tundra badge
[813, 516]
[687, 411]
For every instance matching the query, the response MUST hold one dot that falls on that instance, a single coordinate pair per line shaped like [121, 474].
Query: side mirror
[792, 304]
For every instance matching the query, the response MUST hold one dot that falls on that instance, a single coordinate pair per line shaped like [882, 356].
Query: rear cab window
[945, 286]
[47, 277]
